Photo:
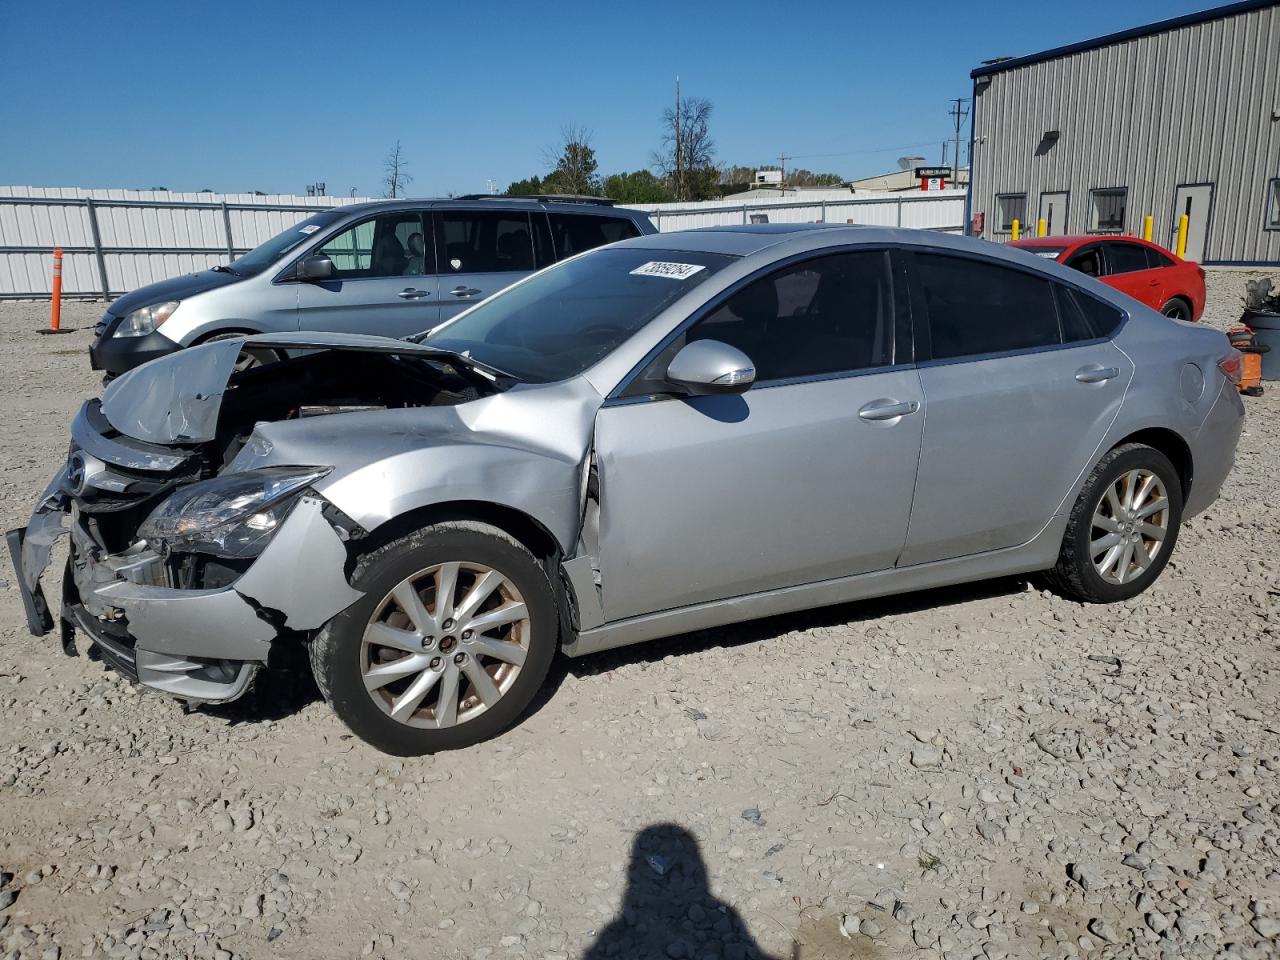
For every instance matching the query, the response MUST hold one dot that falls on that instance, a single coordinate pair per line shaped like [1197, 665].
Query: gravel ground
[985, 771]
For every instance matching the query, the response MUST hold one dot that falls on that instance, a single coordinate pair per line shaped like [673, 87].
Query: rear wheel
[451, 641]
[1123, 527]
[1178, 309]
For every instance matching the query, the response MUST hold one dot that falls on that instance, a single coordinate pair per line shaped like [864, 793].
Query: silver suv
[393, 267]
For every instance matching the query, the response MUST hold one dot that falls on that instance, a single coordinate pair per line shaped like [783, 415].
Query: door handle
[888, 409]
[1096, 373]
[408, 293]
[464, 291]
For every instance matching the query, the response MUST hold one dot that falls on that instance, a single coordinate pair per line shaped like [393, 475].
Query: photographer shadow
[668, 910]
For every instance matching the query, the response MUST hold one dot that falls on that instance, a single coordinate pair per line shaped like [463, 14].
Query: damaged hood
[176, 399]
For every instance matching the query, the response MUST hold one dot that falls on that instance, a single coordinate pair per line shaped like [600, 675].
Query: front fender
[543, 488]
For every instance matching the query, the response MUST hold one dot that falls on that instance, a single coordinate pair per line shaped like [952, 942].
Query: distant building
[1177, 117]
[898, 180]
[792, 193]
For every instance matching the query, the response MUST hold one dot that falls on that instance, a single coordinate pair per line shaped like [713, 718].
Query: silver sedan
[671, 433]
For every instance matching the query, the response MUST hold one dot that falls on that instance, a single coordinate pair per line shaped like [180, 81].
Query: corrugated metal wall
[1195, 104]
[143, 240]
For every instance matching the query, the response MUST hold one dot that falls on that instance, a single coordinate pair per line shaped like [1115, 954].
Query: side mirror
[709, 366]
[315, 268]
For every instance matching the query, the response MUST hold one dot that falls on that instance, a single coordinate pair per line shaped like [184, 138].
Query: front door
[1020, 392]
[384, 282]
[806, 477]
[1053, 211]
[480, 253]
[1195, 201]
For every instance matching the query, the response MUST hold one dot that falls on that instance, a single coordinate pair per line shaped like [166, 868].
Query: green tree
[574, 163]
[528, 187]
[638, 187]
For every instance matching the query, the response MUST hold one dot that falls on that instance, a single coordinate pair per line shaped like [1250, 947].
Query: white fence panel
[141, 235]
[941, 210]
[118, 240]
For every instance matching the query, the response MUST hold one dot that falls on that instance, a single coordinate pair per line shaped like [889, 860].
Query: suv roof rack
[549, 197]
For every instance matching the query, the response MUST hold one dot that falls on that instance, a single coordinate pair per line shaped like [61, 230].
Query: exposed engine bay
[162, 535]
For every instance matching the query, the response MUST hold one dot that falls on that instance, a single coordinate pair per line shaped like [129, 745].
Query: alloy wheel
[1130, 524]
[445, 645]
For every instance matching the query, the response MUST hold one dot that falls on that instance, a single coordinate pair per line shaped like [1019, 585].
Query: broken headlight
[234, 515]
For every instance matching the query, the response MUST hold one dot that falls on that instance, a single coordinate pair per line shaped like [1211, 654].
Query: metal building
[1181, 116]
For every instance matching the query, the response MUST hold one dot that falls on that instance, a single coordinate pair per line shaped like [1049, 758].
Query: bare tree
[395, 175]
[574, 163]
[686, 156]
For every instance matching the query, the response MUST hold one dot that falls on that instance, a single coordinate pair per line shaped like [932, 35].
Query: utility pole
[782, 177]
[679, 180]
[958, 113]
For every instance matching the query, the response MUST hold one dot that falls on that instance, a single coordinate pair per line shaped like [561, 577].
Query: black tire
[1177, 309]
[1075, 574]
[336, 649]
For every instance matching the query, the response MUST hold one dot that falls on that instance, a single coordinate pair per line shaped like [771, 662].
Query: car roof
[1077, 239]
[590, 206]
[784, 239]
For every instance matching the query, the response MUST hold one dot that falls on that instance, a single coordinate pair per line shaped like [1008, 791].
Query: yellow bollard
[1147, 223]
[1042, 227]
[1016, 228]
[1181, 250]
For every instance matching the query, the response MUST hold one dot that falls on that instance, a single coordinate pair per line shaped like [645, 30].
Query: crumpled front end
[194, 625]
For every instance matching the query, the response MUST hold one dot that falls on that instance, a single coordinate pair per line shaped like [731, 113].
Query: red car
[1145, 271]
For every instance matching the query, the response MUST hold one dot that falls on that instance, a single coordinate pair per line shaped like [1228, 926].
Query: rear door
[1130, 270]
[1020, 386]
[479, 253]
[384, 279]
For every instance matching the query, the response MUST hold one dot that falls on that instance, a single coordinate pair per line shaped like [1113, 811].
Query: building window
[1273, 204]
[1106, 209]
[1010, 207]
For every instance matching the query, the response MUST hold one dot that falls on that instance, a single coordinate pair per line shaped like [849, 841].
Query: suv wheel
[1122, 528]
[451, 641]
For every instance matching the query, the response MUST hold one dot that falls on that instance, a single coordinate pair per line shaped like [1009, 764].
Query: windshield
[265, 254]
[559, 322]
[1049, 253]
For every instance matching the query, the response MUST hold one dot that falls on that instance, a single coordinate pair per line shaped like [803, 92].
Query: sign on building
[933, 178]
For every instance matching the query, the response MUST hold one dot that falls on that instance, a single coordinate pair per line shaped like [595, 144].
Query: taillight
[1200, 270]
[1232, 365]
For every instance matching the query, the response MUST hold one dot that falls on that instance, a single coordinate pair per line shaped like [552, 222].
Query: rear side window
[977, 308]
[574, 232]
[543, 252]
[1082, 312]
[484, 242]
[1126, 258]
[1157, 259]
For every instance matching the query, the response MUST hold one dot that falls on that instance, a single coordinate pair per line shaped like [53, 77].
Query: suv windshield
[265, 254]
[559, 322]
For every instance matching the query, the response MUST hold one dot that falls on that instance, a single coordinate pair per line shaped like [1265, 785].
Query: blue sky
[272, 96]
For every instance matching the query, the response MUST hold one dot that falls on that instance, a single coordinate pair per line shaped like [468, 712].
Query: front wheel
[451, 641]
[1122, 528]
